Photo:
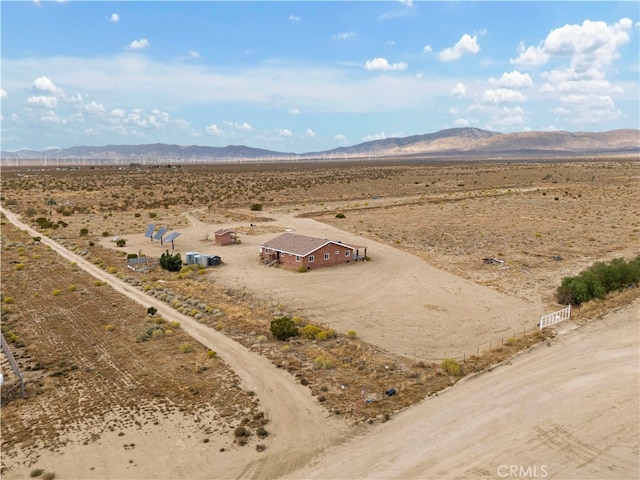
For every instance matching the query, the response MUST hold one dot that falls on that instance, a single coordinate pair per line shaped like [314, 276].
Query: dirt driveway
[396, 301]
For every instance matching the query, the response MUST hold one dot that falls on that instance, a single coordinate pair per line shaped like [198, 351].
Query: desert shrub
[509, 341]
[351, 334]
[105, 234]
[98, 283]
[152, 215]
[172, 263]
[262, 432]
[599, 280]
[321, 336]
[451, 366]
[241, 431]
[132, 255]
[301, 269]
[109, 328]
[36, 473]
[260, 447]
[56, 292]
[323, 362]
[147, 335]
[152, 310]
[297, 320]
[8, 300]
[212, 354]
[84, 232]
[174, 324]
[112, 270]
[72, 288]
[158, 334]
[310, 331]
[186, 348]
[19, 266]
[48, 476]
[256, 207]
[283, 328]
[121, 242]
[340, 215]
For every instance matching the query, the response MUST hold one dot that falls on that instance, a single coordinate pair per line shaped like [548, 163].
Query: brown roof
[222, 231]
[299, 244]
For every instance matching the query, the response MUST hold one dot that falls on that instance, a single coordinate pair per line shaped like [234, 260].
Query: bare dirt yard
[75, 316]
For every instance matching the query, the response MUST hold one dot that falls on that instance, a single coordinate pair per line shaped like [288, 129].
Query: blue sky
[309, 76]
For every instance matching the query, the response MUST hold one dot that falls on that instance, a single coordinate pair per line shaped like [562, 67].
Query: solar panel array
[160, 233]
[150, 229]
[172, 236]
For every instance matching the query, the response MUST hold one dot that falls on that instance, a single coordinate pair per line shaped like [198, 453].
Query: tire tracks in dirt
[300, 427]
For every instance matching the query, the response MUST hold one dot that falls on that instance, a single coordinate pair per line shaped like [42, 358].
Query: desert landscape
[157, 374]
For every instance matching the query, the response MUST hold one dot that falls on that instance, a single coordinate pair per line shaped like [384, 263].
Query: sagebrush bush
[186, 348]
[56, 292]
[351, 334]
[212, 353]
[451, 366]
[310, 331]
[72, 288]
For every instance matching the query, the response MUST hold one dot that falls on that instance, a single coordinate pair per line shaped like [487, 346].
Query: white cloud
[530, 56]
[383, 64]
[3, 94]
[244, 126]
[466, 44]
[390, 43]
[309, 133]
[340, 138]
[285, 132]
[114, 18]
[343, 35]
[426, 49]
[43, 84]
[408, 3]
[294, 18]
[42, 101]
[294, 111]
[139, 44]
[117, 113]
[591, 44]
[507, 118]
[513, 79]
[375, 136]
[214, 130]
[194, 54]
[502, 95]
[93, 108]
[588, 109]
[570, 80]
[462, 122]
[459, 90]
[50, 117]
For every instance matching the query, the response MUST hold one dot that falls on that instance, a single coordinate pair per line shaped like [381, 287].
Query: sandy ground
[566, 410]
[296, 417]
[518, 415]
[396, 301]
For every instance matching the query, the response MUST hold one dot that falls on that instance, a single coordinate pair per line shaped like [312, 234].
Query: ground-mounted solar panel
[150, 229]
[160, 233]
[172, 236]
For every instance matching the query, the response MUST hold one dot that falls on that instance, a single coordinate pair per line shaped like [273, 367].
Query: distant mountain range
[445, 144]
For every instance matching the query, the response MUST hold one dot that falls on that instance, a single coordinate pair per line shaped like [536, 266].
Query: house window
[311, 258]
[347, 253]
[297, 258]
[326, 256]
[337, 252]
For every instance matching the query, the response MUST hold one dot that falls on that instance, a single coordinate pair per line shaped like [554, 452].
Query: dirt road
[568, 410]
[299, 425]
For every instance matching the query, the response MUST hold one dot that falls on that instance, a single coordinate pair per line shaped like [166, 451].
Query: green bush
[283, 328]
[84, 232]
[121, 242]
[451, 366]
[599, 280]
[310, 331]
[173, 263]
[186, 348]
[256, 207]
[340, 215]
[351, 334]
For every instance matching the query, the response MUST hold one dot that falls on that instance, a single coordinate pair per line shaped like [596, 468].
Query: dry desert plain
[562, 404]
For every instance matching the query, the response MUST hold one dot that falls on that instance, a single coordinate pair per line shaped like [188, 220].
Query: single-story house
[295, 251]
[225, 237]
